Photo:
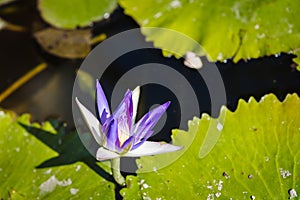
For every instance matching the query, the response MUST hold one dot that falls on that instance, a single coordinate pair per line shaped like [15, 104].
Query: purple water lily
[116, 132]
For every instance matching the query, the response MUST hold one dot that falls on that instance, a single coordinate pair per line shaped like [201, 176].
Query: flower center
[123, 130]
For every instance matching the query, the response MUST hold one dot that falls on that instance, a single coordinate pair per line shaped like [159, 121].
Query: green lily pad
[21, 152]
[69, 14]
[237, 29]
[256, 157]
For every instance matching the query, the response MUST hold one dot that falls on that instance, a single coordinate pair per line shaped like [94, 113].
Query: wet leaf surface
[225, 29]
[256, 156]
[70, 14]
[47, 162]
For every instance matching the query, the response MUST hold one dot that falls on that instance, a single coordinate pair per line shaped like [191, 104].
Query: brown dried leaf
[66, 44]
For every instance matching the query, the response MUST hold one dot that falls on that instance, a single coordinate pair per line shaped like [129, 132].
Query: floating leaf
[3, 2]
[70, 14]
[21, 152]
[257, 156]
[67, 44]
[225, 29]
[2, 24]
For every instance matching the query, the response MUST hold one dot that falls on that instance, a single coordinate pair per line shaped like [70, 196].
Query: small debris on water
[192, 60]
[106, 15]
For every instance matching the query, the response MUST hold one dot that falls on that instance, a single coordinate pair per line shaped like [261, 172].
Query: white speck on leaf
[145, 22]
[78, 168]
[210, 197]
[226, 175]
[50, 184]
[267, 159]
[219, 127]
[154, 169]
[292, 193]
[157, 15]
[74, 191]
[175, 4]
[218, 194]
[256, 26]
[48, 171]
[17, 149]
[252, 197]
[220, 185]
[260, 36]
[145, 185]
[284, 173]
[220, 56]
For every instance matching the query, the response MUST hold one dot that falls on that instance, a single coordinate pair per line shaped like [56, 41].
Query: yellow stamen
[123, 136]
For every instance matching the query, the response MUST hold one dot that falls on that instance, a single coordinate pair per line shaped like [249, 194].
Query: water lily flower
[117, 133]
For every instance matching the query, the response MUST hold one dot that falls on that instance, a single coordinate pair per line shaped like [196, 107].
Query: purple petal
[137, 144]
[111, 129]
[148, 121]
[118, 126]
[125, 108]
[123, 117]
[103, 108]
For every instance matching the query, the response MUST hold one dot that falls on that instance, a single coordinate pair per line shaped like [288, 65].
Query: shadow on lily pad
[69, 147]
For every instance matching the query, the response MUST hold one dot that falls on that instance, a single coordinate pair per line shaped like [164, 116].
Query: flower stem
[115, 167]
